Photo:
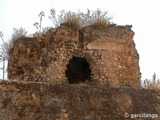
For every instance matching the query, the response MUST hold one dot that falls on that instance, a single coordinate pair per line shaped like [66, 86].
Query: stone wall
[48, 101]
[108, 52]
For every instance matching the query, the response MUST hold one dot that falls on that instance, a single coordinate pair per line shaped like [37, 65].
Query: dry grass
[17, 34]
[152, 84]
[80, 19]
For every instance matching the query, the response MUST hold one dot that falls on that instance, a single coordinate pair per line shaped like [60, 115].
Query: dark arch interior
[78, 71]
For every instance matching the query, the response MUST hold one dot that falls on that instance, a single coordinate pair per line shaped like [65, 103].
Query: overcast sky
[143, 15]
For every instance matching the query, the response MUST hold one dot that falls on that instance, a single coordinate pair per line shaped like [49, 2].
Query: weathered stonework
[91, 55]
[47, 101]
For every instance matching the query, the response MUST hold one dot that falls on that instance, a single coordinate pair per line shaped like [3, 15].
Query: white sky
[142, 14]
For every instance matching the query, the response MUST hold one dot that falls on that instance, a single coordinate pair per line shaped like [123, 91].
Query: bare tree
[6, 47]
[3, 53]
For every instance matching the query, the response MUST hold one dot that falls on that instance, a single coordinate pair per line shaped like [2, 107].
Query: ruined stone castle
[90, 55]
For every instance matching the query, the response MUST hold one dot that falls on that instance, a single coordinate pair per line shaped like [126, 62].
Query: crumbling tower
[91, 55]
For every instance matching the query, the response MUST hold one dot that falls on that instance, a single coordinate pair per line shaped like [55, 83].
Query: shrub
[80, 19]
[97, 18]
[7, 46]
[18, 33]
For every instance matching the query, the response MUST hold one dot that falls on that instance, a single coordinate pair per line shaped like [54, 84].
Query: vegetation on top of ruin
[80, 19]
[76, 20]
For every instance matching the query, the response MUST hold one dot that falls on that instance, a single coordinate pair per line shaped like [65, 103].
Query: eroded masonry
[91, 55]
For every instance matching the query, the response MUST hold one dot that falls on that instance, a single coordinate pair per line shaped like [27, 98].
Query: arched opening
[78, 71]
